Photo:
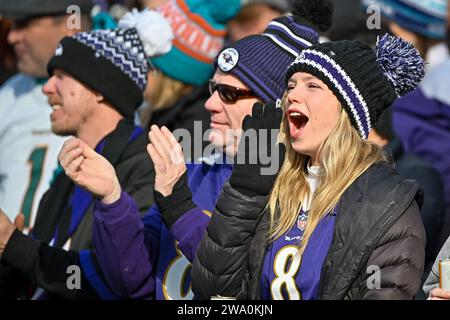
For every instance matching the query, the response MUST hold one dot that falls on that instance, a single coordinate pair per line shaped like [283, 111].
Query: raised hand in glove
[259, 156]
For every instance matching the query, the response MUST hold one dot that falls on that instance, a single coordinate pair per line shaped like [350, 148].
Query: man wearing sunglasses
[230, 102]
[158, 249]
[229, 94]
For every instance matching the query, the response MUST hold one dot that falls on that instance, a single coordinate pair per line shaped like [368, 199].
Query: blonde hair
[165, 92]
[344, 156]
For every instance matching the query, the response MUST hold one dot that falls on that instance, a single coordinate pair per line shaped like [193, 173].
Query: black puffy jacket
[378, 224]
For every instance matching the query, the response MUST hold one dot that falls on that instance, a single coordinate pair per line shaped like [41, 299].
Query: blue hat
[425, 17]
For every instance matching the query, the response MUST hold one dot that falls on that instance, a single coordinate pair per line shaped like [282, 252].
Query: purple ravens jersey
[286, 275]
[173, 268]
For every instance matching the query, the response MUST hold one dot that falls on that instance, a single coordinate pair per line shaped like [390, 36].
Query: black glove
[250, 176]
[177, 203]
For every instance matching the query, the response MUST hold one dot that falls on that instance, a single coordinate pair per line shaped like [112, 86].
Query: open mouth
[297, 122]
[55, 108]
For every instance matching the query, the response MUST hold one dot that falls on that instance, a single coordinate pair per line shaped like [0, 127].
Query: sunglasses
[229, 94]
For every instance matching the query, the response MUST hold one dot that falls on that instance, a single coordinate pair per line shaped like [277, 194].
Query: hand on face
[89, 170]
[6, 230]
[439, 294]
[167, 156]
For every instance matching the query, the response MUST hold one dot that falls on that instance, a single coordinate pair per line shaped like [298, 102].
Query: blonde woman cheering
[338, 221]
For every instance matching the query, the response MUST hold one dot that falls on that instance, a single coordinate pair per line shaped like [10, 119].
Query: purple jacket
[142, 258]
[422, 122]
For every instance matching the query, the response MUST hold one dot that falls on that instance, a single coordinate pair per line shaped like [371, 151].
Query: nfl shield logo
[301, 221]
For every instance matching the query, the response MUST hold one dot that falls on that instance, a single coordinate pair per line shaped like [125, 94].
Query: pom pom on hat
[192, 55]
[400, 62]
[153, 29]
[318, 12]
[366, 82]
[224, 10]
[119, 54]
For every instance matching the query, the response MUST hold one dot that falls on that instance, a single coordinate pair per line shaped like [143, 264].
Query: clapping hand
[90, 170]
